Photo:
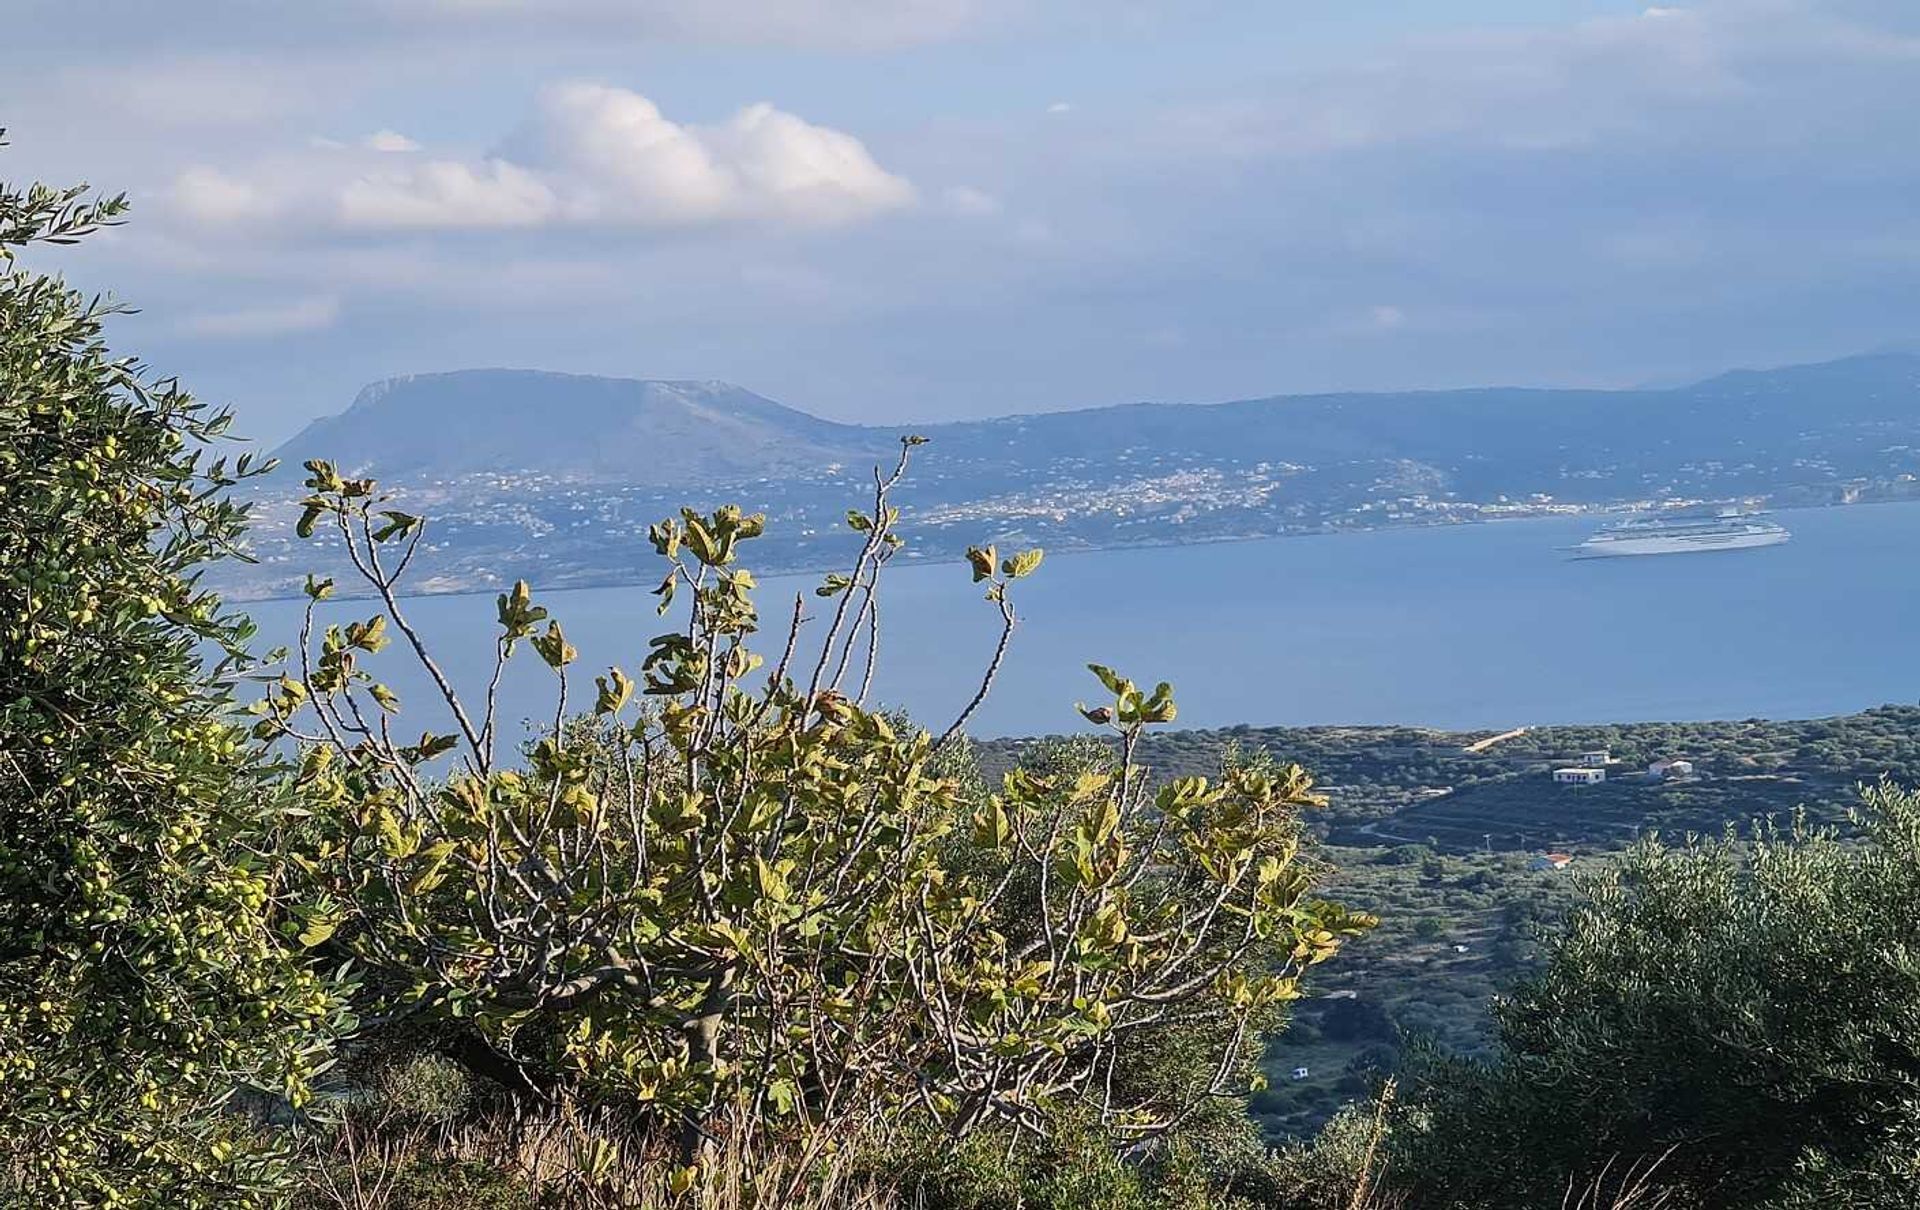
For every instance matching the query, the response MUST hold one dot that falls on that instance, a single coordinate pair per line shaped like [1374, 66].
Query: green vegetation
[729, 905]
[1739, 1024]
[143, 835]
[1438, 841]
[719, 935]
[1404, 785]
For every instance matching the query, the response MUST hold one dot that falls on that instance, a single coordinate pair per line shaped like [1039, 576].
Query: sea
[1489, 625]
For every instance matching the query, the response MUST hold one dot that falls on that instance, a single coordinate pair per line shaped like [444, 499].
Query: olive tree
[1739, 1015]
[738, 897]
[143, 975]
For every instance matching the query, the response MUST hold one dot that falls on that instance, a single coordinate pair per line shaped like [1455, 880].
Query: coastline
[774, 571]
[907, 560]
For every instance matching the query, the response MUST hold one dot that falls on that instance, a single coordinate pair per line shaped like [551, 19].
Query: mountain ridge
[575, 426]
[572, 425]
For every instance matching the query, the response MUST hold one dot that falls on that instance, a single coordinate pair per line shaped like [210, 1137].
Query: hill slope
[1485, 440]
[1501, 439]
[571, 427]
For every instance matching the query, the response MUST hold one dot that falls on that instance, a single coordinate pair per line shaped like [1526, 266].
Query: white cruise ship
[1679, 532]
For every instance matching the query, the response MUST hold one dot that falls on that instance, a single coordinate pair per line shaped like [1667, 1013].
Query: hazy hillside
[573, 427]
[1502, 438]
[617, 430]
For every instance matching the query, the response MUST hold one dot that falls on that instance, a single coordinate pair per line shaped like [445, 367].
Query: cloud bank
[590, 155]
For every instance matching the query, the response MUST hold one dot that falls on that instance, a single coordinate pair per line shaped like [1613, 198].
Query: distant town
[488, 530]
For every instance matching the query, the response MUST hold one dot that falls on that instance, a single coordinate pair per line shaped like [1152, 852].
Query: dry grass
[570, 1160]
[1630, 1188]
[1368, 1180]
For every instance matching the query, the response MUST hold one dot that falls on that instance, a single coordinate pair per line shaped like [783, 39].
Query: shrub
[422, 1089]
[1744, 1015]
[1340, 1168]
[732, 902]
[1070, 1167]
[1357, 1019]
[143, 857]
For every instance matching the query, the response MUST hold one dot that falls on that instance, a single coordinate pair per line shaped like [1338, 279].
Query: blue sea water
[1488, 625]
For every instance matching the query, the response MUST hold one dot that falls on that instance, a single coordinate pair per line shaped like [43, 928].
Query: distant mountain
[555, 477]
[571, 427]
[1497, 438]
[657, 433]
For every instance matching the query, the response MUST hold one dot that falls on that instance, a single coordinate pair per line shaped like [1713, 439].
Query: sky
[890, 212]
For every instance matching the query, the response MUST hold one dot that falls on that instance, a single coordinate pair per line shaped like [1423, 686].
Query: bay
[1471, 626]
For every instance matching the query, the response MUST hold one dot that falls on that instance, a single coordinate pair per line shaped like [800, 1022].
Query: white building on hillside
[1579, 775]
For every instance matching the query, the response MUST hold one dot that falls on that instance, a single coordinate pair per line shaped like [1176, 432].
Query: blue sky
[899, 211]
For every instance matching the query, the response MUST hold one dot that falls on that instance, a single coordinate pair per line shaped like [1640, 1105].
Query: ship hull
[1654, 544]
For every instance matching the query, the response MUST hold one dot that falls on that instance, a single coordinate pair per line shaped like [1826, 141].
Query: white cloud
[623, 159]
[389, 140]
[616, 158]
[591, 154]
[273, 319]
[1386, 316]
[447, 194]
[788, 166]
[1060, 107]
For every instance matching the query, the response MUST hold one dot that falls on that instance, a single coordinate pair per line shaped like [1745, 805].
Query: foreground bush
[1737, 1024]
[143, 977]
[740, 899]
